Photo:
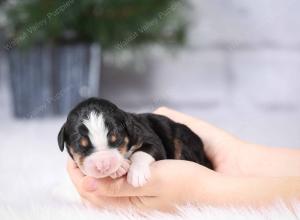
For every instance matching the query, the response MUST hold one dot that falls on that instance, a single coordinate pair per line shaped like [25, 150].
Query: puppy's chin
[102, 164]
[94, 174]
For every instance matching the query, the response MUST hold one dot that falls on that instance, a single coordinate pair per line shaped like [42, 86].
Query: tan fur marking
[113, 138]
[137, 146]
[84, 142]
[77, 158]
[124, 146]
[178, 148]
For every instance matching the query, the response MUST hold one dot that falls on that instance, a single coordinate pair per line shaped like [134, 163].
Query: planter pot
[50, 80]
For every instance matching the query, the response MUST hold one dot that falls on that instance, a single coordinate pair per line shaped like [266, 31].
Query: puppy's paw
[138, 175]
[122, 170]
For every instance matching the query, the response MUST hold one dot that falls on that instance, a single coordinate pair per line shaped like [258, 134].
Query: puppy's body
[99, 135]
[165, 139]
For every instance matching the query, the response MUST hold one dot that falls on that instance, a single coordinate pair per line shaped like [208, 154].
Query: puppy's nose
[103, 165]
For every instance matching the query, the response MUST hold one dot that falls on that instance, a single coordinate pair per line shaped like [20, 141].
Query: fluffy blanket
[34, 183]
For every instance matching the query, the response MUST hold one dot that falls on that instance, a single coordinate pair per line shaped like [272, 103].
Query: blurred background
[233, 63]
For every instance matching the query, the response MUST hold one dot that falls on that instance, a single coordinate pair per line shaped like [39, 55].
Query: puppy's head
[95, 137]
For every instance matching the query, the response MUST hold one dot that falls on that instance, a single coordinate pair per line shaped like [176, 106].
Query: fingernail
[91, 185]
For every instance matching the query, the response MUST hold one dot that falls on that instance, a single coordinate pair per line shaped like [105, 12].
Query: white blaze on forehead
[97, 130]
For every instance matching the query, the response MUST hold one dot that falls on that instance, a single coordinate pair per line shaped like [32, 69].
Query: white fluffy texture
[97, 130]
[32, 181]
[33, 171]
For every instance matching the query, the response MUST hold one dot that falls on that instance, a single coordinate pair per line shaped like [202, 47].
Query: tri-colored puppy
[105, 141]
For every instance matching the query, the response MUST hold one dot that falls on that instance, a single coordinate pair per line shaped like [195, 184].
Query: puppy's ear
[132, 127]
[61, 138]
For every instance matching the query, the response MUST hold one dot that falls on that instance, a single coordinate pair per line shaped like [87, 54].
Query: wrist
[252, 191]
[206, 187]
[259, 160]
[250, 158]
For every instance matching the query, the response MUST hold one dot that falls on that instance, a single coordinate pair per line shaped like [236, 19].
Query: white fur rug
[33, 175]
[65, 211]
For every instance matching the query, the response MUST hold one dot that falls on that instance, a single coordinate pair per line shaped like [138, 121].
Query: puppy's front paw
[138, 175]
[122, 170]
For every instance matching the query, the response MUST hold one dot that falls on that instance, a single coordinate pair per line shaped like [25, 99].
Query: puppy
[105, 141]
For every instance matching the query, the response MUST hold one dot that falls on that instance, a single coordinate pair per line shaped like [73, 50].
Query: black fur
[154, 133]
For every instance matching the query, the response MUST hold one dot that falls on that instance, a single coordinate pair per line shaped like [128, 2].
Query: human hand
[223, 149]
[173, 182]
[232, 156]
[177, 182]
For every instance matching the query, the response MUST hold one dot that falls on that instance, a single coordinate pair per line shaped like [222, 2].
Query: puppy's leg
[139, 171]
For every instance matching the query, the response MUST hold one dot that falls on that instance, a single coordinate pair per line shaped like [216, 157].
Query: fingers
[95, 201]
[168, 112]
[118, 187]
[165, 187]
[105, 186]
[75, 174]
[86, 187]
[176, 116]
[214, 138]
[164, 175]
[113, 194]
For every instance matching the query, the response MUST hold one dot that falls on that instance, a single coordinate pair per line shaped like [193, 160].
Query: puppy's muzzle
[102, 163]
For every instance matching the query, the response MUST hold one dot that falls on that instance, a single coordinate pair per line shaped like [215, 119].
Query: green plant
[115, 24]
